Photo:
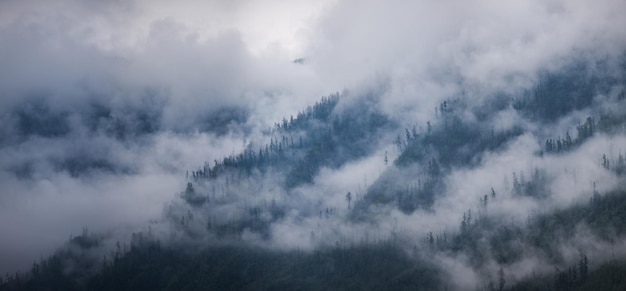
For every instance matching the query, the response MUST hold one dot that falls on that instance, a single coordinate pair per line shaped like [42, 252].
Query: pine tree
[349, 198]
[605, 162]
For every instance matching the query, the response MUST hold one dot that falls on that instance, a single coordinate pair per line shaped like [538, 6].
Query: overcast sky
[173, 66]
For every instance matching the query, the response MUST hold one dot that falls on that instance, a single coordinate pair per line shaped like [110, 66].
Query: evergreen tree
[349, 199]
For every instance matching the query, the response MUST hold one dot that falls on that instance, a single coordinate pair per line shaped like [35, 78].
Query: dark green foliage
[558, 145]
[67, 269]
[535, 186]
[421, 197]
[316, 138]
[604, 215]
[288, 139]
[192, 197]
[148, 266]
[418, 194]
[345, 140]
[151, 267]
[449, 143]
[320, 111]
[609, 277]
[559, 93]
[453, 141]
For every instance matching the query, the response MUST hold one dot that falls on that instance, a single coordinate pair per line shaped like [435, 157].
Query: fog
[106, 107]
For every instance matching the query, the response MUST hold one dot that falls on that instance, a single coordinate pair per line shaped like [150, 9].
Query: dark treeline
[320, 136]
[148, 265]
[571, 88]
[482, 238]
[453, 142]
[279, 150]
[585, 131]
[480, 234]
[449, 142]
[302, 145]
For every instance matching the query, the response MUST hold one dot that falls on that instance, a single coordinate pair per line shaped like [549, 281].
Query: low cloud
[104, 107]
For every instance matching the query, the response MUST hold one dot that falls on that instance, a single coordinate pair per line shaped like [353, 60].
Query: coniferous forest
[145, 151]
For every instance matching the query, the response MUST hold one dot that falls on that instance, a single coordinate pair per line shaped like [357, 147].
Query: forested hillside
[229, 223]
[312, 145]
